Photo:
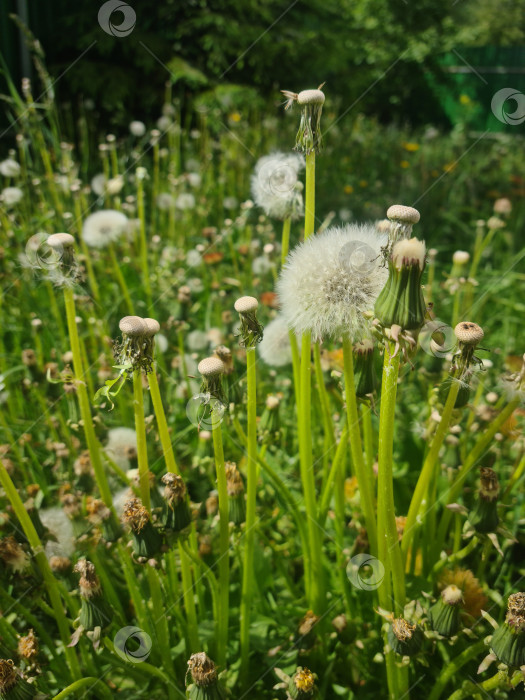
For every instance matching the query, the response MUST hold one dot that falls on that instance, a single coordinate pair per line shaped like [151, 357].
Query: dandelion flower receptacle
[12, 685]
[331, 280]
[302, 685]
[444, 616]
[309, 138]
[508, 641]
[205, 684]
[404, 638]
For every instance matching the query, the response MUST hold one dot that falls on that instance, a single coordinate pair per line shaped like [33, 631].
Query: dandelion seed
[61, 527]
[137, 128]
[104, 227]
[185, 201]
[11, 196]
[331, 280]
[165, 201]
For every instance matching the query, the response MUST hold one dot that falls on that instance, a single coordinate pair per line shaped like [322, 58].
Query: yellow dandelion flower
[465, 100]
[235, 117]
[404, 164]
[410, 146]
[449, 167]
[363, 183]
[351, 488]
[348, 189]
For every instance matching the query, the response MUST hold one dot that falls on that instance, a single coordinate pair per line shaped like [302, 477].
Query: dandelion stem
[90, 683]
[427, 472]
[140, 427]
[285, 242]
[453, 667]
[162, 423]
[314, 577]
[189, 600]
[160, 624]
[364, 476]
[143, 241]
[120, 279]
[309, 204]
[224, 540]
[41, 559]
[83, 400]
[247, 575]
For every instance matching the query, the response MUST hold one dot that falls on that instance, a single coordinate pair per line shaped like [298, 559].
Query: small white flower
[104, 227]
[196, 285]
[120, 445]
[185, 201]
[345, 215]
[274, 348]
[230, 203]
[331, 279]
[165, 201]
[276, 187]
[137, 128]
[193, 258]
[11, 195]
[164, 123]
[9, 168]
[60, 526]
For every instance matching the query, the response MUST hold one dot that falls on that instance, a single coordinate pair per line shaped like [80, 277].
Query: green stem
[140, 427]
[224, 541]
[285, 242]
[364, 476]
[41, 560]
[189, 600]
[143, 241]
[102, 689]
[120, 279]
[247, 574]
[325, 409]
[427, 472]
[162, 423]
[83, 400]
[327, 491]
[453, 667]
[160, 624]
[309, 199]
[313, 577]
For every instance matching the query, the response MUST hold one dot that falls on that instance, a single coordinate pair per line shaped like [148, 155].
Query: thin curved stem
[142, 450]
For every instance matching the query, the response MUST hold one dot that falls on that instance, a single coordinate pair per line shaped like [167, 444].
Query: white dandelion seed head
[120, 498]
[121, 442]
[197, 340]
[137, 128]
[104, 227]
[98, 184]
[115, 184]
[61, 527]
[261, 265]
[276, 187]
[185, 201]
[9, 168]
[274, 348]
[161, 343]
[11, 196]
[331, 279]
[230, 203]
[193, 258]
[165, 201]
[194, 179]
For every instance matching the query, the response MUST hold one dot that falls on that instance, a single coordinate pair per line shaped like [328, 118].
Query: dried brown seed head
[203, 670]
[211, 366]
[246, 304]
[152, 326]
[311, 97]
[8, 676]
[58, 241]
[407, 215]
[28, 646]
[135, 515]
[133, 326]
[402, 629]
[468, 333]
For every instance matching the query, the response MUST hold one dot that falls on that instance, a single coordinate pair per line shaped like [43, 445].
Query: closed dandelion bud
[364, 368]
[205, 680]
[269, 426]
[508, 641]
[175, 513]
[236, 501]
[12, 685]
[484, 516]
[146, 540]
[13, 556]
[404, 638]
[250, 330]
[401, 300]
[444, 615]
[309, 138]
[302, 684]
[28, 647]
[95, 611]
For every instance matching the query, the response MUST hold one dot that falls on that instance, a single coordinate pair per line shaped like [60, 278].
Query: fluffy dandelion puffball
[331, 279]
[274, 348]
[104, 227]
[276, 187]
